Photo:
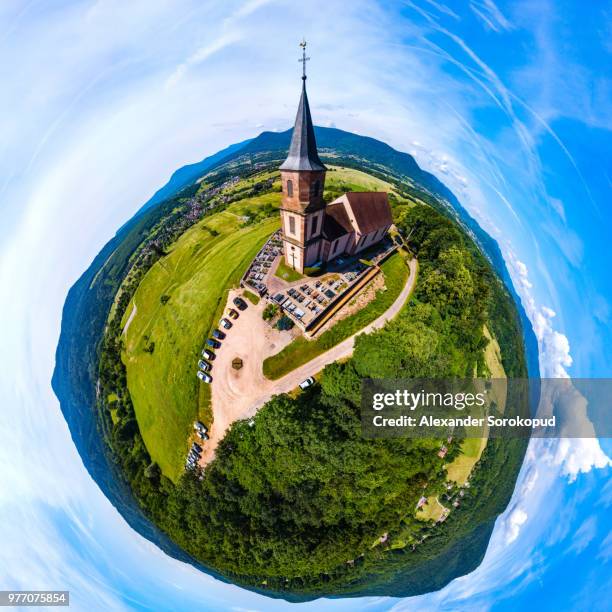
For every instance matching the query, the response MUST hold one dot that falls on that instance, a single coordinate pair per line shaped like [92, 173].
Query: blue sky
[508, 103]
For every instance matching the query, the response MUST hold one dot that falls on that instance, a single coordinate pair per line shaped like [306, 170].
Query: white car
[204, 377]
[203, 365]
[225, 323]
[307, 383]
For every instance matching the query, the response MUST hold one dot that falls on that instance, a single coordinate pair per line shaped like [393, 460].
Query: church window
[317, 188]
[313, 225]
[290, 188]
[292, 225]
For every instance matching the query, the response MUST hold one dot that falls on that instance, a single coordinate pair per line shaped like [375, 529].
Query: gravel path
[132, 315]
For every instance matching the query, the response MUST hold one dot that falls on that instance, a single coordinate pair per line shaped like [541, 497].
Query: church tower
[303, 177]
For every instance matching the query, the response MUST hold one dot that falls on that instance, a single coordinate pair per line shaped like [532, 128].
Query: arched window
[316, 188]
[290, 188]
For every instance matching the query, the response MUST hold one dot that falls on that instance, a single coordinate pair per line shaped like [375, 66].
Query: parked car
[218, 334]
[307, 383]
[199, 425]
[203, 365]
[208, 354]
[195, 446]
[233, 314]
[204, 377]
[213, 343]
[225, 323]
[239, 303]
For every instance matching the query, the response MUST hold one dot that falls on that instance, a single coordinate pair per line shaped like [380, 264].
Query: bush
[164, 299]
[310, 271]
[249, 295]
[269, 312]
[284, 323]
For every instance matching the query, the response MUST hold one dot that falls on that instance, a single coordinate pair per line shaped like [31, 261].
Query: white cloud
[491, 15]
[513, 524]
[605, 549]
[555, 355]
[584, 535]
[202, 54]
[579, 456]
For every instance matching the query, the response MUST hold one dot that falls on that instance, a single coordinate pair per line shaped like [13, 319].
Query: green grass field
[355, 180]
[431, 511]
[301, 350]
[461, 468]
[286, 273]
[196, 274]
[252, 297]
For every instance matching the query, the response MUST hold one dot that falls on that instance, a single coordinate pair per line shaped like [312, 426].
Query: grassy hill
[196, 275]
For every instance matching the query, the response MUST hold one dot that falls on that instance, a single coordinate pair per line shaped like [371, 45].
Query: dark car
[239, 303]
[218, 334]
[213, 343]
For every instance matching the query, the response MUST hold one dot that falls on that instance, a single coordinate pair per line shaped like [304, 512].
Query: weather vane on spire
[303, 59]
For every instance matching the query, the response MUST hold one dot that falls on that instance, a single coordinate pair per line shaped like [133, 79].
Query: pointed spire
[303, 153]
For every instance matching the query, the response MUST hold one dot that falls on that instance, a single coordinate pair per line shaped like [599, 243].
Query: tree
[152, 471]
[270, 312]
[284, 323]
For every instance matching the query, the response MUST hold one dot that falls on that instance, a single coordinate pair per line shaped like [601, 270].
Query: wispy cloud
[491, 15]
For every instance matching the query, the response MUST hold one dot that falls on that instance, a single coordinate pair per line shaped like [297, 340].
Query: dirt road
[238, 394]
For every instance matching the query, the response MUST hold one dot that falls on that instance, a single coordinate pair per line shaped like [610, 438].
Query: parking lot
[251, 340]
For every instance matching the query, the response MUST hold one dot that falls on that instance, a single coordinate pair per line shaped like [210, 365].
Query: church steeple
[303, 153]
[302, 178]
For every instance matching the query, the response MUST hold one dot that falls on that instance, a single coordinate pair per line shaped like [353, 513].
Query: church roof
[303, 148]
[362, 212]
[336, 222]
[370, 210]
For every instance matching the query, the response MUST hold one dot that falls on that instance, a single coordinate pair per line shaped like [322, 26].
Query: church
[314, 232]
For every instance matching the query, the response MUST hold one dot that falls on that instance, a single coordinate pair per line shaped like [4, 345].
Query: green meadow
[164, 340]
